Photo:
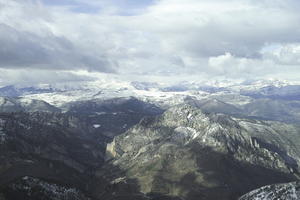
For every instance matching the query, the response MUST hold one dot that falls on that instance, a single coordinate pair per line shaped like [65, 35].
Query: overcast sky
[55, 40]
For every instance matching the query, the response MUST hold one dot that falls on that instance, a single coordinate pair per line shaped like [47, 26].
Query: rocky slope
[51, 146]
[64, 148]
[193, 155]
[286, 191]
[184, 153]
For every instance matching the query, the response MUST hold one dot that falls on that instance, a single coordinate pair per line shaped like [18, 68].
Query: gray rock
[286, 191]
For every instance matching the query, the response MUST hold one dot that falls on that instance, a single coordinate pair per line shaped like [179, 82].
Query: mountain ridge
[173, 142]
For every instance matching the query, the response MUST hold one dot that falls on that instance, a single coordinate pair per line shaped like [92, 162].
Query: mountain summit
[193, 155]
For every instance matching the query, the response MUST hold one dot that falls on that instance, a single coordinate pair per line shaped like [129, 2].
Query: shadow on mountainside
[106, 184]
[219, 176]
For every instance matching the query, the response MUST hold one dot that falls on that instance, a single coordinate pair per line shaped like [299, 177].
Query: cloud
[34, 77]
[287, 54]
[211, 28]
[235, 66]
[163, 37]
[25, 48]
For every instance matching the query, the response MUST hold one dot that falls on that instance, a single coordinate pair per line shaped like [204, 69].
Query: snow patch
[100, 113]
[96, 125]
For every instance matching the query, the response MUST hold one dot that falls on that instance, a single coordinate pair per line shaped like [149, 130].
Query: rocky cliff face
[286, 191]
[194, 155]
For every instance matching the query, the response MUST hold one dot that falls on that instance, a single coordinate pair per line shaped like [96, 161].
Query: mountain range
[146, 140]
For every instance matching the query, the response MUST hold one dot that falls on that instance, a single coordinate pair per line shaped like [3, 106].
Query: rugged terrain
[194, 155]
[50, 146]
[144, 140]
[63, 148]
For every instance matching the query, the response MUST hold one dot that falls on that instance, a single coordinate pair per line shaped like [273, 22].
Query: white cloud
[34, 77]
[165, 37]
[287, 54]
[237, 67]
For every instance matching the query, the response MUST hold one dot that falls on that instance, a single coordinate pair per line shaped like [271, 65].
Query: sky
[45, 41]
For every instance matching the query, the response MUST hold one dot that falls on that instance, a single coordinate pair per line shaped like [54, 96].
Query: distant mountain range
[156, 92]
[12, 91]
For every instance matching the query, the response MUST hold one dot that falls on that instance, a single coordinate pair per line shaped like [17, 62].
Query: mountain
[12, 91]
[145, 85]
[111, 117]
[53, 147]
[9, 91]
[148, 141]
[123, 104]
[29, 188]
[55, 156]
[183, 153]
[286, 191]
[160, 94]
[212, 105]
[193, 155]
[277, 110]
[188, 86]
[264, 109]
[288, 92]
[61, 152]
[9, 104]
